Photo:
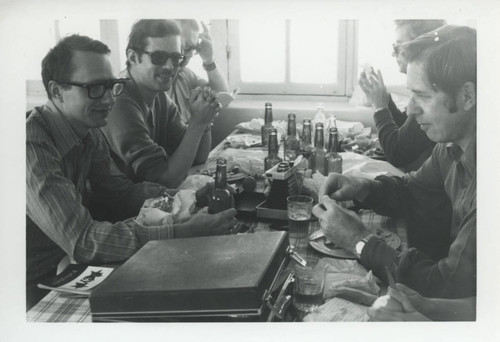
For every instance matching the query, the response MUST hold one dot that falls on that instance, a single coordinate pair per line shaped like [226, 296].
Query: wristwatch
[209, 67]
[361, 244]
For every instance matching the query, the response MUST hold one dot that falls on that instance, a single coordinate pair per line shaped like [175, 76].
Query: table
[58, 307]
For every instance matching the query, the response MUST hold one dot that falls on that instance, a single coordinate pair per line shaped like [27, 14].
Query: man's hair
[448, 55]
[154, 28]
[57, 65]
[189, 23]
[420, 26]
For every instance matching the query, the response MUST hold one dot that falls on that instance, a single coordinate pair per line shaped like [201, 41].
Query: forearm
[204, 148]
[183, 158]
[104, 242]
[438, 309]
[217, 81]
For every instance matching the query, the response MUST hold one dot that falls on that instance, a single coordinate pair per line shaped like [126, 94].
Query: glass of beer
[299, 209]
[308, 287]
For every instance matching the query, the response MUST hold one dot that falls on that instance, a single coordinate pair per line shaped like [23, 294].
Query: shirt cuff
[150, 233]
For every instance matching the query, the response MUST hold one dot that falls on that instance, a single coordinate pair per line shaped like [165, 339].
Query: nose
[169, 65]
[108, 98]
[413, 108]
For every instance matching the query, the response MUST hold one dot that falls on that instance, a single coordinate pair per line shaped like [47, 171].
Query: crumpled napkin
[183, 204]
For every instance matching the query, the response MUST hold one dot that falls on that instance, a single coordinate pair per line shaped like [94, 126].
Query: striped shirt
[58, 164]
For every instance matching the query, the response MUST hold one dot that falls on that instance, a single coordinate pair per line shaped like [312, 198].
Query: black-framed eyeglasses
[161, 57]
[96, 90]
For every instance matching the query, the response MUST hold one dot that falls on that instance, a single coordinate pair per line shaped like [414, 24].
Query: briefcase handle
[280, 306]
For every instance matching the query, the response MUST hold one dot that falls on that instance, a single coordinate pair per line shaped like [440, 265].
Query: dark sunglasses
[96, 90]
[161, 57]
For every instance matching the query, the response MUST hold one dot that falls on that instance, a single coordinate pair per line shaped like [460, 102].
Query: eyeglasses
[96, 90]
[161, 57]
[396, 47]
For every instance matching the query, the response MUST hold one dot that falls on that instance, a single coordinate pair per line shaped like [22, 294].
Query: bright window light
[313, 51]
[262, 50]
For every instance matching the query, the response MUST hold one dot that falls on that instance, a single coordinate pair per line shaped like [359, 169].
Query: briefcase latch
[295, 256]
[280, 306]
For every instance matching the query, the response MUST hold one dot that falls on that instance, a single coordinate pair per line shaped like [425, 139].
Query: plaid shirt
[58, 164]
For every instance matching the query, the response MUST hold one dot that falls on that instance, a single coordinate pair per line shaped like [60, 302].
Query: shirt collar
[65, 137]
[467, 157]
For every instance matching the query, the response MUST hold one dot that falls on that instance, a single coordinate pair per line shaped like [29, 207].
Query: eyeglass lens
[161, 57]
[98, 90]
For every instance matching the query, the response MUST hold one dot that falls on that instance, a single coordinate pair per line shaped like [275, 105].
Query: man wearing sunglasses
[194, 42]
[148, 139]
[65, 151]
[405, 145]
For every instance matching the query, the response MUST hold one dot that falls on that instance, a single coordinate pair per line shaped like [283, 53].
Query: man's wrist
[379, 108]
[360, 244]
[209, 66]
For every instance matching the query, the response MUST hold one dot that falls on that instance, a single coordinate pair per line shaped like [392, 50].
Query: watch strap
[209, 67]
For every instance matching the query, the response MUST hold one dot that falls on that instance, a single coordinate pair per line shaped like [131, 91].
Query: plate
[318, 242]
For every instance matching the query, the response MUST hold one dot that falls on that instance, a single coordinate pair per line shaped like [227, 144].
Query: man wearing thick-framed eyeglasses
[148, 139]
[65, 151]
[194, 42]
[405, 145]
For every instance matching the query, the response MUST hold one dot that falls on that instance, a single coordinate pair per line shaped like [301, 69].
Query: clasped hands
[341, 226]
[204, 105]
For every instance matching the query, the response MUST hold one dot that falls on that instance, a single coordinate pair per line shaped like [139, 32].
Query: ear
[133, 57]
[469, 93]
[55, 91]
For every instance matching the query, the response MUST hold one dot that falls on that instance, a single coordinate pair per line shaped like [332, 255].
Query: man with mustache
[145, 131]
[65, 151]
[442, 79]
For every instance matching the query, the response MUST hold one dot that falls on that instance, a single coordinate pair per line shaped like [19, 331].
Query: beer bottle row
[319, 158]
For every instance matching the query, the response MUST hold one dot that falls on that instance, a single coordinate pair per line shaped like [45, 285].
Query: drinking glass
[299, 209]
[308, 287]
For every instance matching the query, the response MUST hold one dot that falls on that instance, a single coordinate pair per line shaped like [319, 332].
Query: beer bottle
[272, 156]
[333, 158]
[305, 144]
[317, 161]
[292, 144]
[268, 123]
[221, 199]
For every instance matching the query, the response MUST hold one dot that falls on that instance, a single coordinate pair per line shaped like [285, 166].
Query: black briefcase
[230, 277]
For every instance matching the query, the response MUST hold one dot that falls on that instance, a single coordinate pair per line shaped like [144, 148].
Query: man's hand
[410, 300]
[205, 47]
[374, 88]
[204, 224]
[341, 226]
[204, 106]
[344, 188]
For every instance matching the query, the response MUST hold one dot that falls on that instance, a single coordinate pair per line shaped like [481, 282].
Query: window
[290, 56]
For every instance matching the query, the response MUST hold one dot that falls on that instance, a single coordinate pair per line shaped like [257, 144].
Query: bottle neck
[306, 134]
[319, 138]
[220, 177]
[273, 145]
[333, 143]
[292, 128]
[268, 115]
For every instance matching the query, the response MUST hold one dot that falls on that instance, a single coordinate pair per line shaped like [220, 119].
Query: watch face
[359, 247]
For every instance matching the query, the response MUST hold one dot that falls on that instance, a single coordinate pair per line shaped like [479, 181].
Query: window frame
[345, 65]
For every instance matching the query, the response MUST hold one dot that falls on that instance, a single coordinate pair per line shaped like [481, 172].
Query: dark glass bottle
[292, 143]
[221, 199]
[306, 146]
[317, 161]
[268, 124]
[333, 158]
[272, 156]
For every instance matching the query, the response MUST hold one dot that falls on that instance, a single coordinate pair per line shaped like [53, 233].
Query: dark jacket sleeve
[413, 196]
[402, 144]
